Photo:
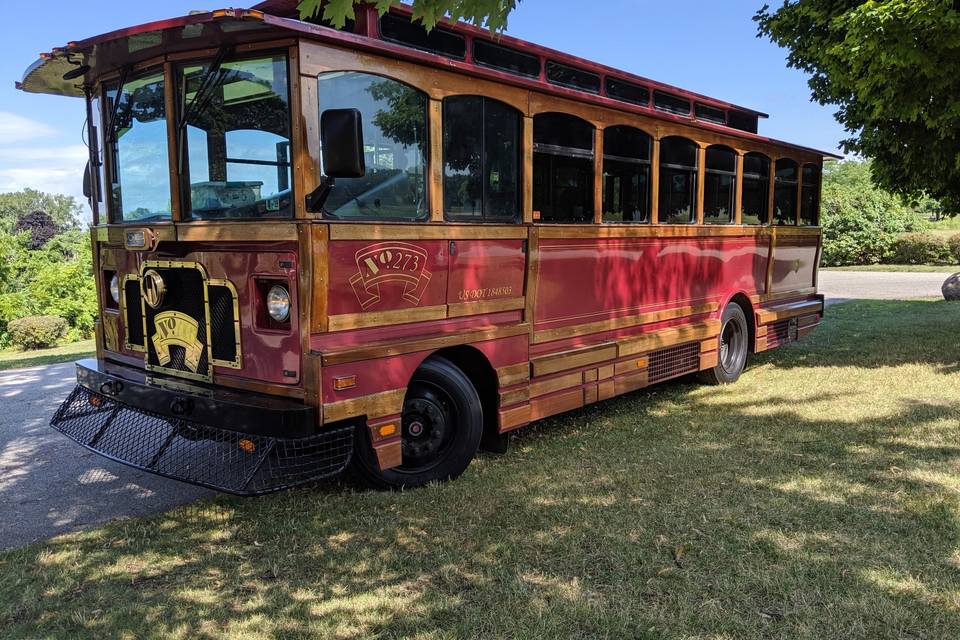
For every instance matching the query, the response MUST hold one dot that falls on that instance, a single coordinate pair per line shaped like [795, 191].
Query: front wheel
[733, 347]
[441, 426]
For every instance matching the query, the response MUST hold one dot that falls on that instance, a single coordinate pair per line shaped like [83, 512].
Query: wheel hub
[425, 431]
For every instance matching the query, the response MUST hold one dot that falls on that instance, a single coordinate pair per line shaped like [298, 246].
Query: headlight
[278, 303]
[115, 288]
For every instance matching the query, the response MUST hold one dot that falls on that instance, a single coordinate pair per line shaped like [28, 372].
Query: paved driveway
[48, 483]
[51, 485]
[838, 286]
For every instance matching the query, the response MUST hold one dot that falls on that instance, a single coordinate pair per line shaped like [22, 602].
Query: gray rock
[951, 287]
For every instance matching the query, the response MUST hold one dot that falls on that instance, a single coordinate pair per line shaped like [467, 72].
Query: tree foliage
[63, 210]
[893, 70]
[491, 14]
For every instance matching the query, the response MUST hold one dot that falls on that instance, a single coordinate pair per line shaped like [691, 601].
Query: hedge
[37, 332]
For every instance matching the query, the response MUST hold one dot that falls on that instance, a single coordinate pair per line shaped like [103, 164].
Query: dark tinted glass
[756, 182]
[395, 147]
[785, 193]
[671, 103]
[627, 92]
[719, 185]
[678, 151]
[562, 130]
[710, 114]
[571, 77]
[498, 57]
[678, 189]
[742, 121]
[481, 159]
[810, 196]
[720, 158]
[401, 30]
[626, 191]
[626, 142]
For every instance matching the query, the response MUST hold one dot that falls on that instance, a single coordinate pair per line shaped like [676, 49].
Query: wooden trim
[237, 231]
[708, 360]
[630, 366]
[321, 276]
[738, 194]
[783, 312]
[514, 417]
[513, 374]
[527, 169]
[573, 359]
[375, 405]
[655, 182]
[632, 382]
[309, 157]
[783, 295]
[460, 309]
[668, 338]
[532, 275]
[557, 403]
[435, 162]
[590, 375]
[589, 394]
[772, 187]
[173, 168]
[701, 179]
[796, 212]
[423, 231]
[606, 371]
[768, 280]
[383, 350]
[347, 321]
[557, 383]
[516, 396]
[297, 136]
[592, 231]
[598, 175]
[549, 335]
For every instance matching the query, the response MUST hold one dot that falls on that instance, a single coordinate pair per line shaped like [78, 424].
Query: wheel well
[747, 307]
[476, 367]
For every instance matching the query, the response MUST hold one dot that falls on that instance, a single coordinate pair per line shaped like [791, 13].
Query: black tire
[732, 349]
[441, 427]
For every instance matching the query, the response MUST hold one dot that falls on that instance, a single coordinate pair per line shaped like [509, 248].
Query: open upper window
[720, 184]
[810, 195]
[562, 168]
[755, 206]
[626, 175]
[481, 159]
[235, 136]
[395, 147]
[678, 180]
[785, 192]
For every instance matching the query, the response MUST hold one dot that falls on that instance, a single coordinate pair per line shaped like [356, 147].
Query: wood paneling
[590, 394]
[669, 337]
[527, 169]
[321, 278]
[606, 389]
[173, 169]
[513, 374]
[632, 382]
[436, 162]
[573, 359]
[556, 403]
[514, 417]
[237, 232]
[604, 372]
[422, 231]
[543, 387]
[373, 406]
[510, 398]
[346, 321]
[590, 375]
[782, 312]
[549, 335]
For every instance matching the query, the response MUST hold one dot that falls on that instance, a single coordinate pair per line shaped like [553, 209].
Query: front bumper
[168, 432]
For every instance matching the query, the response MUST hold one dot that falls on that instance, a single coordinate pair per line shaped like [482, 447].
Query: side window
[810, 195]
[756, 189]
[562, 168]
[394, 145]
[481, 159]
[626, 175]
[720, 185]
[237, 123]
[678, 180]
[785, 193]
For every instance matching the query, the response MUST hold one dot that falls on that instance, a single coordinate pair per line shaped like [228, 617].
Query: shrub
[37, 332]
[920, 248]
[954, 244]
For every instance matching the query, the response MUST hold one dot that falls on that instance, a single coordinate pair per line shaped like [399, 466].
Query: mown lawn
[817, 498]
[15, 359]
[916, 268]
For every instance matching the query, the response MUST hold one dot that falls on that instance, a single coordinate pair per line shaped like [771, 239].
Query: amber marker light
[247, 445]
[95, 401]
[641, 363]
[387, 430]
[344, 382]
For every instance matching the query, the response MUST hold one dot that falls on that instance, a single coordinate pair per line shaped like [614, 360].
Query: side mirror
[87, 182]
[341, 141]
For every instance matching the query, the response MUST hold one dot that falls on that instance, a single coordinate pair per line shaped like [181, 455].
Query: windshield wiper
[124, 72]
[210, 81]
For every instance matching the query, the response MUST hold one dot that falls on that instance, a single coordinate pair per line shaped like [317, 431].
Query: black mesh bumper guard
[230, 461]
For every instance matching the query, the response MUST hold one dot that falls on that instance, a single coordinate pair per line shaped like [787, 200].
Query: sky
[700, 45]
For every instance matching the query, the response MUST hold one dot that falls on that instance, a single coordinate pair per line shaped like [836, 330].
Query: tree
[893, 70]
[486, 13]
[39, 225]
[63, 210]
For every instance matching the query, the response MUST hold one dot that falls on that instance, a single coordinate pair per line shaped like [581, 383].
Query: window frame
[427, 146]
[762, 179]
[465, 218]
[707, 171]
[564, 152]
[793, 185]
[648, 163]
[182, 149]
[693, 170]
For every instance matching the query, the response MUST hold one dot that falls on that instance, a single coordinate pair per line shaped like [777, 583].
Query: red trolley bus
[384, 248]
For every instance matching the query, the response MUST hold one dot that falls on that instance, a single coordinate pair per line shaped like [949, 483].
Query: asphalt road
[51, 485]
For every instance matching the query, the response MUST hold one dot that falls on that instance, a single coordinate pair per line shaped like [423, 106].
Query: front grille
[778, 333]
[673, 362]
[224, 325]
[198, 453]
[186, 354]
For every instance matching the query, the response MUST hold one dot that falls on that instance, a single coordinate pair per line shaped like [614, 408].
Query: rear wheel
[441, 426]
[733, 347]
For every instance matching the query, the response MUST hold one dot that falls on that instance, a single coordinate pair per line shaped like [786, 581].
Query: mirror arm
[318, 196]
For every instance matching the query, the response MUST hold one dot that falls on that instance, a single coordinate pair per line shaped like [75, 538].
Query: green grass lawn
[917, 268]
[14, 359]
[819, 497]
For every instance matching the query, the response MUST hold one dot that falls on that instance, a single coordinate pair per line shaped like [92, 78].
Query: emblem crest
[390, 262]
[175, 328]
[153, 288]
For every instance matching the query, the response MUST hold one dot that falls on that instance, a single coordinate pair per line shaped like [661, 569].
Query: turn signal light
[344, 382]
[95, 401]
[247, 445]
[387, 430]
